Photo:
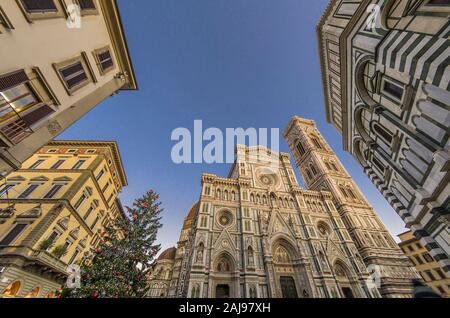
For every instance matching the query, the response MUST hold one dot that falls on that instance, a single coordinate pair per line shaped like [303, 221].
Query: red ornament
[99, 251]
[135, 216]
[95, 294]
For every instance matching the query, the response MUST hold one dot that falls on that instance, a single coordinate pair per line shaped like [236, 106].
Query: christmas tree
[119, 265]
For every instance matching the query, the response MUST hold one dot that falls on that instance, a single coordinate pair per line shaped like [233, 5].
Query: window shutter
[12, 79]
[13, 234]
[39, 5]
[37, 114]
[87, 4]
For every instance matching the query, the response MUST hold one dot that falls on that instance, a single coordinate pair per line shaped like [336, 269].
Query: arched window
[316, 142]
[12, 289]
[225, 195]
[351, 193]
[258, 199]
[33, 293]
[195, 292]
[383, 133]
[334, 166]
[233, 196]
[264, 198]
[327, 165]
[218, 194]
[308, 173]
[314, 171]
[300, 148]
[343, 191]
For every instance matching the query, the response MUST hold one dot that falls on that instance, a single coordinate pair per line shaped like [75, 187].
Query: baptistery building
[258, 234]
[386, 76]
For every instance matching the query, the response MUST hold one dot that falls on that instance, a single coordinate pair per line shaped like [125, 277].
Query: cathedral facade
[258, 234]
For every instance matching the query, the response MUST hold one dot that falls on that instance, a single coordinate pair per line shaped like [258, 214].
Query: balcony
[32, 257]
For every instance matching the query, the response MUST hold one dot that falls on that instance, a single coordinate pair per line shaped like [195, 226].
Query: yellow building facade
[430, 270]
[52, 213]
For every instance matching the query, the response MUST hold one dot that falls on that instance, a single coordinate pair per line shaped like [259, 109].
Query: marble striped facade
[387, 92]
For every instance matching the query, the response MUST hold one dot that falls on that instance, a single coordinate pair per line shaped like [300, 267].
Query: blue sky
[230, 63]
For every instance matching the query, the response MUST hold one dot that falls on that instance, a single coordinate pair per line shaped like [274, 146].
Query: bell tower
[321, 170]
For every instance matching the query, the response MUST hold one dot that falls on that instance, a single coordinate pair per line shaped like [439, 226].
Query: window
[78, 165]
[88, 213]
[334, 167]
[343, 191]
[53, 191]
[411, 248]
[204, 221]
[378, 164]
[28, 191]
[110, 198]
[39, 6]
[74, 256]
[95, 222]
[100, 174]
[430, 275]
[4, 20]
[51, 239]
[5, 189]
[104, 60]
[300, 148]
[440, 273]
[37, 164]
[351, 193]
[393, 89]
[383, 132]
[58, 164]
[418, 259]
[41, 9]
[316, 142]
[106, 186]
[247, 226]
[314, 171]
[13, 234]
[16, 98]
[74, 74]
[80, 201]
[87, 7]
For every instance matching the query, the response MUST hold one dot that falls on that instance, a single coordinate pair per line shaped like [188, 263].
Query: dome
[168, 254]
[193, 211]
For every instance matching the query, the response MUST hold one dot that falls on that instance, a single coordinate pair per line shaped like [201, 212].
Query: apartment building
[53, 211]
[430, 270]
[59, 59]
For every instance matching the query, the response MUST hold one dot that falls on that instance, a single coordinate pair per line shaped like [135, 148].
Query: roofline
[116, 31]
[319, 26]
[97, 143]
